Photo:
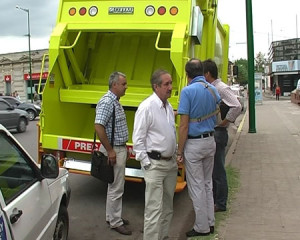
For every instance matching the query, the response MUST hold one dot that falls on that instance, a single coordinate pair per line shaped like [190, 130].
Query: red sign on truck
[83, 146]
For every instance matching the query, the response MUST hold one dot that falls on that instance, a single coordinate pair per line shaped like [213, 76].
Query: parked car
[239, 94]
[32, 109]
[12, 118]
[33, 198]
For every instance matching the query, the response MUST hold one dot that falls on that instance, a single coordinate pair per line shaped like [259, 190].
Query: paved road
[87, 204]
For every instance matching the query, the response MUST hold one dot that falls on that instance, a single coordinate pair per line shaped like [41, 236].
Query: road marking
[241, 124]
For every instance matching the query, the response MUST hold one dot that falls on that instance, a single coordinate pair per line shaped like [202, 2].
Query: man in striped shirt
[220, 186]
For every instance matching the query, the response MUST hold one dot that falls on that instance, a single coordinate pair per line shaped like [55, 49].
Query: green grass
[233, 185]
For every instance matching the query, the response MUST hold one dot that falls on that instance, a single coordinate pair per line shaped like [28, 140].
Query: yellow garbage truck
[92, 39]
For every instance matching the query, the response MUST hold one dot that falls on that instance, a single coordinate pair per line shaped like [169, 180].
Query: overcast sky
[272, 20]
[13, 24]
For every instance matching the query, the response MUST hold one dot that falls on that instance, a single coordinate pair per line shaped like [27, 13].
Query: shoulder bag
[216, 112]
[101, 167]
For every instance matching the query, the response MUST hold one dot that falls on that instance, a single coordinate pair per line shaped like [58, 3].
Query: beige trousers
[199, 163]
[160, 181]
[115, 190]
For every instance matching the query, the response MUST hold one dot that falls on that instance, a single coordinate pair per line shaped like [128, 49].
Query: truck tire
[62, 224]
[31, 114]
[22, 125]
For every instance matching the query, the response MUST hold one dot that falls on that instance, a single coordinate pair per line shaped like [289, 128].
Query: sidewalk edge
[232, 148]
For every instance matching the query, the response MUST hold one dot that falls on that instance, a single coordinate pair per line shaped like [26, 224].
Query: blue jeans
[220, 186]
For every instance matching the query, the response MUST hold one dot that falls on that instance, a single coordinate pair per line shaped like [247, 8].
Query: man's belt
[204, 135]
[157, 156]
[220, 129]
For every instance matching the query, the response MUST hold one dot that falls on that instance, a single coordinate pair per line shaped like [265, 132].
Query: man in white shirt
[154, 143]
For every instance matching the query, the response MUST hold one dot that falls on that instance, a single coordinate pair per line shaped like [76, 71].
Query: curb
[232, 148]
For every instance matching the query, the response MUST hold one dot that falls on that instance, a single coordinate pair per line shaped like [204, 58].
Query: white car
[33, 198]
[239, 94]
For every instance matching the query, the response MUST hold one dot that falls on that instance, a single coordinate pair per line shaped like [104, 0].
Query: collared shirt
[197, 101]
[104, 116]
[154, 129]
[229, 98]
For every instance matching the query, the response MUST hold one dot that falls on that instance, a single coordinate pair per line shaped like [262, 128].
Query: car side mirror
[49, 166]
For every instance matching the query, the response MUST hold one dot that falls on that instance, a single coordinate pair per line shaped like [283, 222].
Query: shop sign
[286, 66]
[35, 76]
[7, 78]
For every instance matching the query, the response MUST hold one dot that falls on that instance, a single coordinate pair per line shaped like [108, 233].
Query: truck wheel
[62, 224]
[21, 125]
[31, 115]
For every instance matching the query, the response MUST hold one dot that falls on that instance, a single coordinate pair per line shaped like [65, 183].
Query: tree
[260, 62]
[242, 77]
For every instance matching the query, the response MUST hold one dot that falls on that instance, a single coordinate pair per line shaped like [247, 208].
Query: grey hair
[156, 77]
[114, 78]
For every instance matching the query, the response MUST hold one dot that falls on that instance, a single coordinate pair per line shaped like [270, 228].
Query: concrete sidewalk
[267, 204]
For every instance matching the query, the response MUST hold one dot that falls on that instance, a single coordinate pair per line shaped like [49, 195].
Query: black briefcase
[101, 167]
[223, 109]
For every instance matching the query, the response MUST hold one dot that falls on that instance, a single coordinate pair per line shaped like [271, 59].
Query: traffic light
[235, 70]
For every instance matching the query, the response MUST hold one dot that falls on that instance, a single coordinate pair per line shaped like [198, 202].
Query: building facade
[14, 73]
[284, 57]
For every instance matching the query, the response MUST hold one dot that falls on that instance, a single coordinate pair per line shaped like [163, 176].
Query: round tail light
[150, 10]
[72, 11]
[173, 11]
[82, 11]
[161, 10]
[93, 11]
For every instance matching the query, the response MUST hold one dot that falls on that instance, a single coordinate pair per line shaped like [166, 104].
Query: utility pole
[250, 49]
[296, 26]
[29, 50]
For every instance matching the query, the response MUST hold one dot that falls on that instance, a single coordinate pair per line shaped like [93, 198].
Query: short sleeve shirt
[197, 101]
[104, 117]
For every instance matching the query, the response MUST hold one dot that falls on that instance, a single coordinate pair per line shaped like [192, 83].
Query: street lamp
[29, 50]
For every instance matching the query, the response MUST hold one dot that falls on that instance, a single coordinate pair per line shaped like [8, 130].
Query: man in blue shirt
[198, 108]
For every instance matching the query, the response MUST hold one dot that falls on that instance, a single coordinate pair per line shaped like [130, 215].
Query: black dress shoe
[122, 230]
[212, 229]
[219, 209]
[125, 221]
[193, 233]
